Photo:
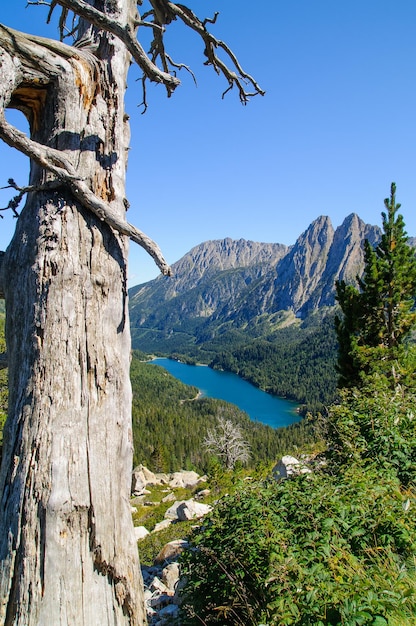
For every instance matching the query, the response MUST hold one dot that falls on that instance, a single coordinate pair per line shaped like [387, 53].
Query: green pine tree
[379, 315]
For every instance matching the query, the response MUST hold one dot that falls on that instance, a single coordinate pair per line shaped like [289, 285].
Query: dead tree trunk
[67, 550]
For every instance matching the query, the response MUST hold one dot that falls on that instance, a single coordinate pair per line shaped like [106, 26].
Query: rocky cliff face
[306, 276]
[225, 280]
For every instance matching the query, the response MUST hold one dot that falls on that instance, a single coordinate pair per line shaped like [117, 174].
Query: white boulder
[183, 510]
[289, 466]
[140, 532]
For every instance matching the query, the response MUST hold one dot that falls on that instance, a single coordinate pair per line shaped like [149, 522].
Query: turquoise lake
[259, 406]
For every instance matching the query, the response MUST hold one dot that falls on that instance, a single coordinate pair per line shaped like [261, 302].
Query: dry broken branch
[161, 14]
[127, 36]
[239, 79]
[55, 162]
[16, 200]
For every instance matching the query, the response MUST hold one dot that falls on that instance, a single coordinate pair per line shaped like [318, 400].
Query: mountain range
[242, 285]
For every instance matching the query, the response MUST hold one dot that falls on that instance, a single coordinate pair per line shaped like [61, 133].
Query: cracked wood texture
[68, 555]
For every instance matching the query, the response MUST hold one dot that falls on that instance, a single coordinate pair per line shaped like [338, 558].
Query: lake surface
[259, 405]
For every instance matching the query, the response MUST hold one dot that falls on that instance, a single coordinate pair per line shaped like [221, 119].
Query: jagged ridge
[236, 282]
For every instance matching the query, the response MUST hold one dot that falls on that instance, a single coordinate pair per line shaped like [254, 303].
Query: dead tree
[227, 442]
[66, 539]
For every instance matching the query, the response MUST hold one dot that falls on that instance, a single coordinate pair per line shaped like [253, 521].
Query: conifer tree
[378, 315]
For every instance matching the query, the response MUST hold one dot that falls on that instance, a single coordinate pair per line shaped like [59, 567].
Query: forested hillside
[297, 363]
[170, 421]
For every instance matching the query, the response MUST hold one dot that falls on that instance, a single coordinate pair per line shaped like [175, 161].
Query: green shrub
[375, 424]
[310, 551]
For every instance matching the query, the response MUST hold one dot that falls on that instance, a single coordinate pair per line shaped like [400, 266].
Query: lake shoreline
[258, 404]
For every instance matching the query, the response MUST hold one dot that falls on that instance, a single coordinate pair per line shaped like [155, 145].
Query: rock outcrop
[184, 510]
[142, 478]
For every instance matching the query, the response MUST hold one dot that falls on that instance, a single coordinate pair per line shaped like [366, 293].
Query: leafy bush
[375, 424]
[310, 551]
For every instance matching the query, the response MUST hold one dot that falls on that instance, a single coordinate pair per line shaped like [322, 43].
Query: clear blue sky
[337, 125]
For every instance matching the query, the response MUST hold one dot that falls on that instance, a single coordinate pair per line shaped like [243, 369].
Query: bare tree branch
[16, 200]
[163, 13]
[55, 162]
[211, 45]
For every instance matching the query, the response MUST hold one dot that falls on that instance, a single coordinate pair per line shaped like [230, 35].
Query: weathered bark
[67, 550]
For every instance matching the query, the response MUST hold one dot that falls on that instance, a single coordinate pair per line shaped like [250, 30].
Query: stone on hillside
[187, 509]
[162, 478]
[171, 551]
[186, 479]
[170, 576]
[158, 585]
[172, 511]
[138, 481]
[192, 510]
[143, 477]
[289, 466]
[169, 498]
[162, 525]
[150, 477]
[202, 494]
[140, 532]
[168, 612]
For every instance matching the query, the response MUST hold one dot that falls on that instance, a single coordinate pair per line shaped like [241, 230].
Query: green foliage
[170, 423]
[306, 552]
[378, 318]
[375, 424]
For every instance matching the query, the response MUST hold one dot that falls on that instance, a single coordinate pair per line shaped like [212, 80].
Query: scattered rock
[161, 583]
[137, 481]
[140, 532]
[162, 525]
[188, 480]
[171, 551]
[162, 479]
[202, 494]
[170, 611]
[169, 498]
[170, 576]
[143, 477]
[157, 585]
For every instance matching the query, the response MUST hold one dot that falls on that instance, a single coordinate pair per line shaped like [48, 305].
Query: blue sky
[337, 125]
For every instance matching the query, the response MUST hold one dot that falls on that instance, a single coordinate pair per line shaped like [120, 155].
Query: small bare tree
[67, 551]
[227, 442]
